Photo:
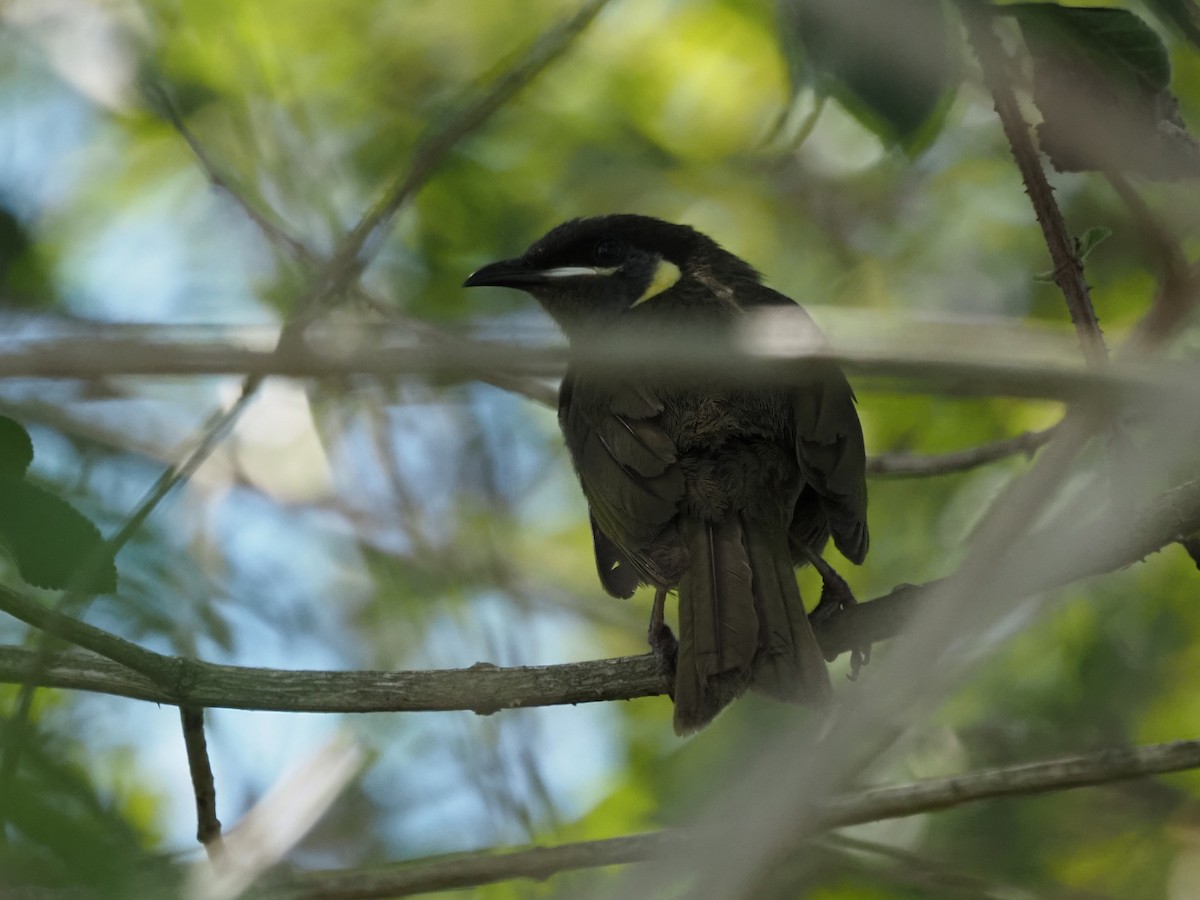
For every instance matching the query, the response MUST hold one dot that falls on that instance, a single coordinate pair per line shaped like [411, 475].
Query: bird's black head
[588, 272]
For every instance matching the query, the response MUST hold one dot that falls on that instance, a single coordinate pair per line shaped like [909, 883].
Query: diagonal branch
[356, 249]
[914, 465]
[931, 795]
[341, 271]
[276, 233]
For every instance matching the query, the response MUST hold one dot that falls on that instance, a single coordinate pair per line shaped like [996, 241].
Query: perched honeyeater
[709, 487]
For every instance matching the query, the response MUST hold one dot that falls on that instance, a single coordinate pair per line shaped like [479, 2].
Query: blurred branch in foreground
[931, 795]
[898, 464]
[768, 348]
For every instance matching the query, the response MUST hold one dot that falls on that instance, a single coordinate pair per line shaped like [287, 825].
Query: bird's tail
[741, 622]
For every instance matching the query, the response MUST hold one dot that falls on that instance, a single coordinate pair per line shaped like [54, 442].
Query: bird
[713, 488]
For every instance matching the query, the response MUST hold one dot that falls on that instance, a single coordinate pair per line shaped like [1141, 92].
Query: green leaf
[1083, 246]
[887, 62]
[1100, 81]
[1183, 14]
[50, 540]
[1091, 239]
[24, 271]
[16, 447]
[1124, 47]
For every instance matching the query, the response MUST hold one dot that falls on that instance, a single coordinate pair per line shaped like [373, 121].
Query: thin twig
[935, 877]
[208, 826]
[932, 795]
[425, 163]
[274, 231]
[352, 256]
[915, 465]
[158, 668]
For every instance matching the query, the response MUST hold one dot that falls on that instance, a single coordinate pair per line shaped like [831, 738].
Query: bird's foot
[836, 596]
[662, 641]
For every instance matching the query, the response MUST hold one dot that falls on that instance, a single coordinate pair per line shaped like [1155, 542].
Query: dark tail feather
[741, 623]
[789, 665]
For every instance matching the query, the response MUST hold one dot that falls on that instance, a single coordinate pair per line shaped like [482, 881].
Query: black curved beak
[514, 273]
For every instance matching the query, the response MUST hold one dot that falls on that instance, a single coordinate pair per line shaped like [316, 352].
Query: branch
[352, 256]
[931, 795]
[208, 826]
[473, 869]
[1065, 773]
[156, 668]
[482, 688]
[1068, 268]
[485, 688]
[425, 163]
[276, 233]
[913, 465]
[884, 465]
[928, 876]
[744, 358]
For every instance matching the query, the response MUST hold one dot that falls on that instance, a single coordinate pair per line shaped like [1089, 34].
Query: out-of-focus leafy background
[398, 524]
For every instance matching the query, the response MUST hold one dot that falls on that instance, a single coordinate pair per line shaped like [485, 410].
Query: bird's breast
[736, 453]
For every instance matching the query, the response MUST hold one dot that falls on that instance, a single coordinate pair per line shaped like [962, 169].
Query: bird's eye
[608, 253]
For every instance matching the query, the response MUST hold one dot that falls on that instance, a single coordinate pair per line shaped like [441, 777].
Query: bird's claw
[836, 596]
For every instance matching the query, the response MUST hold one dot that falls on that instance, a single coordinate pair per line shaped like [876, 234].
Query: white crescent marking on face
[576, 271]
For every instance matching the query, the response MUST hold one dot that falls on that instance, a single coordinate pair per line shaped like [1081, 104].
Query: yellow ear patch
[665, 275]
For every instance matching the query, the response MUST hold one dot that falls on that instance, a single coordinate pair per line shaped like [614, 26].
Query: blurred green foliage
[405, 525]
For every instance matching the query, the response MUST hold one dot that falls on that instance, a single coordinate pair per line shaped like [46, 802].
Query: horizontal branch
[886, 465]
[118, 667]
[931, 795]
[484, 688]
[751, 354]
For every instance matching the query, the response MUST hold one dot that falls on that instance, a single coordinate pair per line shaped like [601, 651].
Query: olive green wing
[833, 459]
[628, 469]
[829, 441]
